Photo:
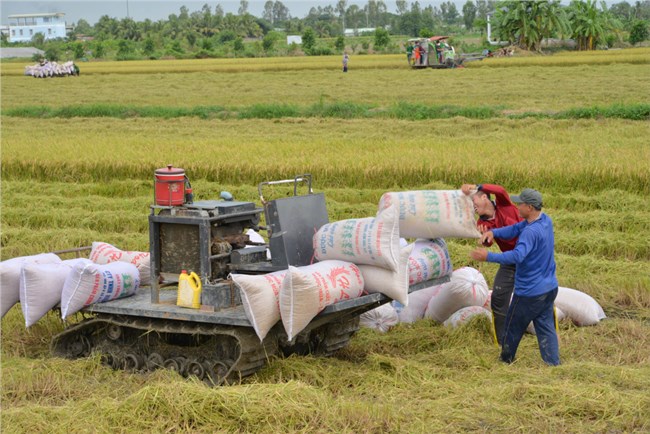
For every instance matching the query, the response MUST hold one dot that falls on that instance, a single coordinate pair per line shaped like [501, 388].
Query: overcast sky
[139, 10]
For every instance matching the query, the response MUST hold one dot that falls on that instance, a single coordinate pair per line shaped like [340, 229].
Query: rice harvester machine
[217, 342]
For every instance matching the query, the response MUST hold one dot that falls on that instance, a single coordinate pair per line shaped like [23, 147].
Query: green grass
[340, 110]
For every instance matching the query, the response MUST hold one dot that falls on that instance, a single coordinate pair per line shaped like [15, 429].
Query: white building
[23, 27]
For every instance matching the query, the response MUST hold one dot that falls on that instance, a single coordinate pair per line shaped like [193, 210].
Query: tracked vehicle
[217, 342]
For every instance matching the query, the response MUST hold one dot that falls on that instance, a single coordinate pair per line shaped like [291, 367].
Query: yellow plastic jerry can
[189, 290]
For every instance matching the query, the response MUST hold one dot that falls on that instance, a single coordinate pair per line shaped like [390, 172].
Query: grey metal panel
[140, 305]
[292, 223]
[220, 296]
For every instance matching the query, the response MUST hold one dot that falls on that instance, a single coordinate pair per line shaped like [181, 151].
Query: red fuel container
[170, 186]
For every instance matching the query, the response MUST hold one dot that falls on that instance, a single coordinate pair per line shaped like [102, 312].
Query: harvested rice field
[78, 156]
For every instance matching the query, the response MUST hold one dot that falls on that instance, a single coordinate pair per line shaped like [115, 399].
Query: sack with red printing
[104, 253]
[369, 241]
[41, 286]
[429, 260]
[93, 283]
[392, 284]
[10, 277]
[308, 290]
[463, 316]
[260, 296]
[433, 213]
[467, 287]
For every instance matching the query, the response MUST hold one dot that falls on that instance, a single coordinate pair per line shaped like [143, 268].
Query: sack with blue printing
[368, 241]
[429, 260]
[93, 283]
[432, 213]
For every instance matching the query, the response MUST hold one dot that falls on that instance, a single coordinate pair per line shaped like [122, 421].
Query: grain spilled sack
[308, 290]
[368, 241]
[260, 296]
[432, 213]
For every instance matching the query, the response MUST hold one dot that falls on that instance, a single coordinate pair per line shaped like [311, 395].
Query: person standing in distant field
[409, 52]
[536, 285]
[346, 59]
[492, 215]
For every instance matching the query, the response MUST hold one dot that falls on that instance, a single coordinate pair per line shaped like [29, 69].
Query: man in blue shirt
[535, 282]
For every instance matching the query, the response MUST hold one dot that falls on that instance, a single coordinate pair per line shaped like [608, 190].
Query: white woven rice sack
[41, 286]
[392, 284]
[381, 319]
[260, 296]
[10, 277]
[581, 308]
[369, 241]
[467, 287]
[93, 283]
[308, 290]
[433, 213]
[429, 260]
[418, 302]
[104, 253]
[488, 301]
[560, 316]
[463, 316]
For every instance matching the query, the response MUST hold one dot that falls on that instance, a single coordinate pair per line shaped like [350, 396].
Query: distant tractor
[435, 52]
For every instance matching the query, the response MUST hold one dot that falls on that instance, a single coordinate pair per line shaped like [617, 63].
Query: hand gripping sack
[581, 308]
[41, 286]
[260, 296]
[308, 290]
[433, 213]
[467, 287]
[418, 302]
[463, 316]
[429, 260]
[10, 277]
[392, 284]
[381, 319]
[92, 283]
[104, 253]
[369, 241]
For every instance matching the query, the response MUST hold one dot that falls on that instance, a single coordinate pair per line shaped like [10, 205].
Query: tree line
[209, 32]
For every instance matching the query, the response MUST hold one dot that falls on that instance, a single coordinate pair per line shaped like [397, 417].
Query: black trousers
[504, 284]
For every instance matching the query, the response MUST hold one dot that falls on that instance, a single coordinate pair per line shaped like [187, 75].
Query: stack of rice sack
[353, 254]
[372, 245]
[42, 282]
[466, 288]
